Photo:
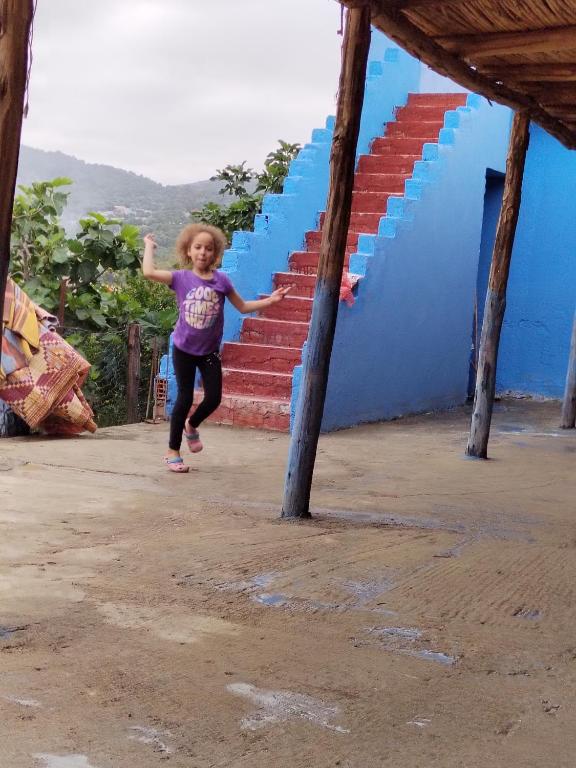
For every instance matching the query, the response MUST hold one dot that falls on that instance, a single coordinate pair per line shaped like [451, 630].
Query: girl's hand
[149, 240]
[278, 294]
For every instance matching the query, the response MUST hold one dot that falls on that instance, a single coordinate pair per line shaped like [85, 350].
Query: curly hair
[186, 237]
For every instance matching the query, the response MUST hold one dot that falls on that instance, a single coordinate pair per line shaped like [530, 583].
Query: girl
[200, 291]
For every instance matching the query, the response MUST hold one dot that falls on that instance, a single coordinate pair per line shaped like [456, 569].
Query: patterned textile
[40, 373]
[71, 416]
[47, 383]
[21, 333]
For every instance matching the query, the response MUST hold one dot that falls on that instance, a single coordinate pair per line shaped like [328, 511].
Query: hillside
[162, 209]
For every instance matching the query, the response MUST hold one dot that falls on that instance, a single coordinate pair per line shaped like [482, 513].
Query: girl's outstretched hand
[149, 239]
[279, 294]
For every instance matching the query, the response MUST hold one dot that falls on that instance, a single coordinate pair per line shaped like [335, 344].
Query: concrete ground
[425, 618]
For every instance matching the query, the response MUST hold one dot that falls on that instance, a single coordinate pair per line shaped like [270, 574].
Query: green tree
[90, 265]
[239, 215]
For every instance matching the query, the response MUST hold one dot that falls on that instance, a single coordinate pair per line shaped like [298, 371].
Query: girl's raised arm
[148, 268]
[253, 306]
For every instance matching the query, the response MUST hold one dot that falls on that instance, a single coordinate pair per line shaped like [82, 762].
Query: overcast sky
[174, 89]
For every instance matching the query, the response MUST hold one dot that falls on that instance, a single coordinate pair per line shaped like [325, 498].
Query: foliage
[239, 215]
[90, 265]
[234, 177]
[276, 167]
[105, 290]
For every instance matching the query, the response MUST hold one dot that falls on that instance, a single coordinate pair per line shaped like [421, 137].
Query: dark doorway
[492, 204]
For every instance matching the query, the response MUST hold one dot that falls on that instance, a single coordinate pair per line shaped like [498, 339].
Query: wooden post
[153, 372]
[15, 19]
[568, 420]
[133, 374]
[310, 406]
[496, 294]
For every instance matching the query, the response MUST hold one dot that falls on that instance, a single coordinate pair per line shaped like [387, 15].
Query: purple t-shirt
[200, 322]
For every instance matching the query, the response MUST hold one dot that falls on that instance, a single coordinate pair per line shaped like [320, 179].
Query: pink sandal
[193, 440]
[176, 464]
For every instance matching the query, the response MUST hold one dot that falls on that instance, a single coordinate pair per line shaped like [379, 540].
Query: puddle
[420, 722]
[280, 706]
[264, 579]
[22, 702]
[532, 614]
[145, 735]
[404, 639]
[63, 761]
[443, 658]
[273, 600]
[6, 632]
[406, 634]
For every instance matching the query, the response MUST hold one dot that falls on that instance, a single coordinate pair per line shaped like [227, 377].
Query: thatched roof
[521, 53]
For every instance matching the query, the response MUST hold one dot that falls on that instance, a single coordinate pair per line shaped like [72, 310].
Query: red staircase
[257, 370]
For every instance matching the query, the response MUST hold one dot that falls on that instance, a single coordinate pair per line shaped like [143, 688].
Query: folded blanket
[48, 384]
[40, 373]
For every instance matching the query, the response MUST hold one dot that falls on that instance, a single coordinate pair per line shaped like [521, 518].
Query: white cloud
[174, 89]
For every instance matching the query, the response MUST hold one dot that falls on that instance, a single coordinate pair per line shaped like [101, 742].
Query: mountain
[162, 209]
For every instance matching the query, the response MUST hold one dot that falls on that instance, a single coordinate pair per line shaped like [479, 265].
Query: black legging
[185, 366]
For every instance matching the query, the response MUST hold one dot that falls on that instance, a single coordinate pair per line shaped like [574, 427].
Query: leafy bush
[236, 179]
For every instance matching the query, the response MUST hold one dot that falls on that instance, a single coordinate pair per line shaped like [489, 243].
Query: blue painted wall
[541, 297]
[405, 345]
[280, 229]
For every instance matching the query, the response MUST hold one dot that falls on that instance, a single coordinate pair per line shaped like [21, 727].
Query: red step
[444, 100]
[260, 357]
[300, 285]
[387, 165]
[424, 112]
[365, 223]
[254, 383]
[278, 333]
[306, 262]
[256, 413]
[379, 182]
[394, 145]
[314, 239]
[290, 308]
[414, 129]
[370, 202]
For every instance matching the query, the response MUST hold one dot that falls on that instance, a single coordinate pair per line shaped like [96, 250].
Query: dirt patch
[425, 617]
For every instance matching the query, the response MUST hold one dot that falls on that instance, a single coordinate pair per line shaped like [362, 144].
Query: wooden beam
[15, 20]
[472, 47]
[496, 294]
[133, 374]
[530, 72]
[310, 406]
[561, 110]
[416, 5]
[396, 26]
[568, 418]
[405, 5]
[552, 99]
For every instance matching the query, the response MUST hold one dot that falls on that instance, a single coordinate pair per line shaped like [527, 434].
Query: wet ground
[425, 617]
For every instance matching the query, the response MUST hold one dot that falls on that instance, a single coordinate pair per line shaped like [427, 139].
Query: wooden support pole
[496, 294]
[15, 20]
[133, 373]
[312, 395]
[568, 419]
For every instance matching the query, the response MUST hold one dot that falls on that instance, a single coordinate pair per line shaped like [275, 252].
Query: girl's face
[201, 252]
